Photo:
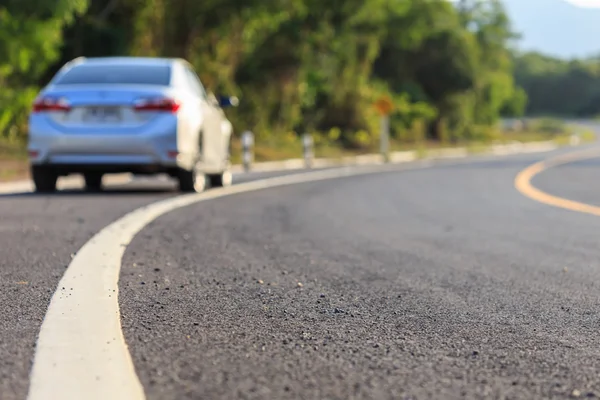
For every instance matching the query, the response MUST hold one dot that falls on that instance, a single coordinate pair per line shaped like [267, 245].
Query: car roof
[127, 61]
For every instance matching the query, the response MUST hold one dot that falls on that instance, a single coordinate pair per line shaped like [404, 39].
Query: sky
[586, 3]
[538, 26]
[537, 20]
[579, 3]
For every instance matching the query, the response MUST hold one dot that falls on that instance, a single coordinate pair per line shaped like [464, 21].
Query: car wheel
[93, 181]
[192, 180]
[44, 179]
[221, 180]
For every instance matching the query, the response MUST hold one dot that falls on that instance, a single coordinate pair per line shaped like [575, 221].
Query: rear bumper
[112, 168]
[152, 148]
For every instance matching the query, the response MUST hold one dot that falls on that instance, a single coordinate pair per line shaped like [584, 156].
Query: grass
[13, 155]
[278, 151]
[284, 150]
[585, 136]
[12, 151]
[13, 161]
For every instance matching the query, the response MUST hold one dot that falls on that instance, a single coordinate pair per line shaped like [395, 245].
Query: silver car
[129, 115]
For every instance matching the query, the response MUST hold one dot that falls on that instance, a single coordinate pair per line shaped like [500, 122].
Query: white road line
[81, 352]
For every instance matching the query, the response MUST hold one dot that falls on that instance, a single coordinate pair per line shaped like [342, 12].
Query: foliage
[30, 40]
[559, 87]
[297, 65]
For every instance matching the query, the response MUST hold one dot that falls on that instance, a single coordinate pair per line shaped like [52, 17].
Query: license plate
[102, 114]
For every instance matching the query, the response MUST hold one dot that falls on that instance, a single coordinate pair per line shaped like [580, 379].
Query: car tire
[44, 179]
[191, 181]
[223, 179]
[93, 181]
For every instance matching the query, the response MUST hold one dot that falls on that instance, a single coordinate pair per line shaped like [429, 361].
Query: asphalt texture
[442, 282]
[579, 180]
[38, 236]
[436, 283]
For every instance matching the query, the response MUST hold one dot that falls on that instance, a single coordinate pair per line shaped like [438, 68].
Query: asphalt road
[579, 180]
[442, 282]
[38, 236]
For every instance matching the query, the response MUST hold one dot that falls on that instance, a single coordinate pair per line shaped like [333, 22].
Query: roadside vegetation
[537, 130]
[310, 66]
[560, 88]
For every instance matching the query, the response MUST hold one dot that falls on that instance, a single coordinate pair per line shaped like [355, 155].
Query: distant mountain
[556, 27]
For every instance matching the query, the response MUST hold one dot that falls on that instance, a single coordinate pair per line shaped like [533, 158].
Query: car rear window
[117, 74]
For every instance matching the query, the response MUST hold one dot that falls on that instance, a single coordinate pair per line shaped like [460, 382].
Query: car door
[212, 153]
[226, 128]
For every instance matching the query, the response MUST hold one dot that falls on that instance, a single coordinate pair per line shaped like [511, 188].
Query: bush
[547, 125]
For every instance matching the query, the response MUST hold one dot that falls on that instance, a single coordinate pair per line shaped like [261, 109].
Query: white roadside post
[247, 145]
[308, 149]
[574, 139]
[384, 139]
[384, 106]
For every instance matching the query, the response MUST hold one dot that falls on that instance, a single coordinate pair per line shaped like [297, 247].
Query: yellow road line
[523, 182]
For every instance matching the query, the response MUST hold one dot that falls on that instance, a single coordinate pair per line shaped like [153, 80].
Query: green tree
[30, 40]
[306, 65]
[559, 87]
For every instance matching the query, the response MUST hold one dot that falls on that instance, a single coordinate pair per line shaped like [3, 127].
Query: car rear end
[109, 115]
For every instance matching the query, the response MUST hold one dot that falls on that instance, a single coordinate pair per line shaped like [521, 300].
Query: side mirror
[227, 101]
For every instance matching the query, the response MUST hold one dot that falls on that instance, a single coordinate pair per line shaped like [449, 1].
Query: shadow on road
[83, 193]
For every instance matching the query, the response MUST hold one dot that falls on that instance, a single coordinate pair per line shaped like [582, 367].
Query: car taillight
[48, 103]
[163, 104]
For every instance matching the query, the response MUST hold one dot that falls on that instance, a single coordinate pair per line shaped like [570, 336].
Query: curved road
[442, 282]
